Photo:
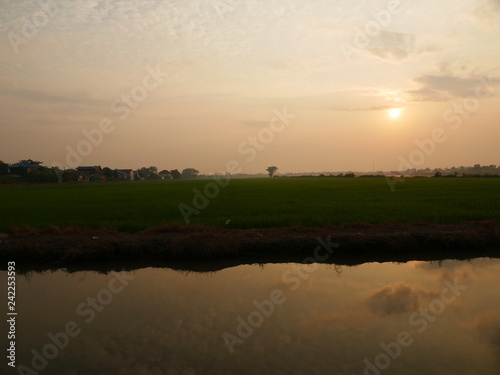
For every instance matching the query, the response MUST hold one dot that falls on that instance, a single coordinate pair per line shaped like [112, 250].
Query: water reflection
[324, 319]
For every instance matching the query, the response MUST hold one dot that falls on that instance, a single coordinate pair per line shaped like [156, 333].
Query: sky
[318, 85]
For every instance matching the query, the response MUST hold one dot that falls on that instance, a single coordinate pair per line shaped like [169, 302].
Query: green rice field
[132, 206]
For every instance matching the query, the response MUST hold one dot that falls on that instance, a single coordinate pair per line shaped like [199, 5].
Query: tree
[175, 174]
[190, 173]
[59, 173]
[70, 176]
[4, 168]
[166, 174]
[271, 170]
[42, 175]
[110, 174]
[29, 161]
[150, 173]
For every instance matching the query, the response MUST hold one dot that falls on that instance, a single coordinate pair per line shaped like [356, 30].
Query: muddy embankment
[203, 248]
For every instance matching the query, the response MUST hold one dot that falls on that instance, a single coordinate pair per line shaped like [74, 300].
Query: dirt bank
[54, 247]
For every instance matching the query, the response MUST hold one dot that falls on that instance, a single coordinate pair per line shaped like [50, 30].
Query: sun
[395, 112]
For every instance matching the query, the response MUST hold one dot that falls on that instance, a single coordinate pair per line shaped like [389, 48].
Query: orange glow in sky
[179, 84]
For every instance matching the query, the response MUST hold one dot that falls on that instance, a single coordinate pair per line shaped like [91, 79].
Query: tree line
[43, 174]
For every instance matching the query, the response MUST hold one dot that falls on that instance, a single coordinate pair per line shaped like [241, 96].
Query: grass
[250, 203]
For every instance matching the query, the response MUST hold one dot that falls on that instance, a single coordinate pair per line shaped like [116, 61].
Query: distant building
[126, 174]
[95, 170]
[93, 173]
[22, 168]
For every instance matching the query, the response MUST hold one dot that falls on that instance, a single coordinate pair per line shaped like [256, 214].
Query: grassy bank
[55, 247]
[250, 203]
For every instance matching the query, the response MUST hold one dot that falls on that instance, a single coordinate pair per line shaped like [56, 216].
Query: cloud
[440, 88]
[487, 325]
[341, 320]
[450, 270]
[396, 299]
[487, 14]
[426, 94]
[392, 46]
[44, 97]
[361, 109]
[395, 47]
[452, 85]
[454, 67]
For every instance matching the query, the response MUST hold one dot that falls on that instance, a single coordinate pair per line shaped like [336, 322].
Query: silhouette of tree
[4, 168]
[110, 174]
[190, 173]
[150, 173]
[175, 174]
[42, 175]
[29, 161]
[271, 170]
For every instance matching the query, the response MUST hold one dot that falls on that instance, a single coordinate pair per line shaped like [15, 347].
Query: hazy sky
[180, 84]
